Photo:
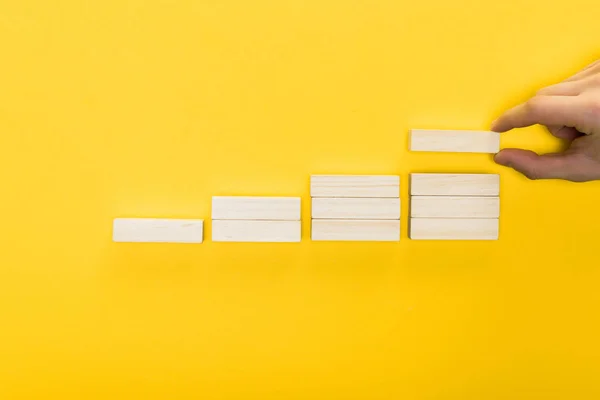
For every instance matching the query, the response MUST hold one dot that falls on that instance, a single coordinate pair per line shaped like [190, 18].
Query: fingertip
[498, 126]
[513, 157]
[493, 126]
[501, 158]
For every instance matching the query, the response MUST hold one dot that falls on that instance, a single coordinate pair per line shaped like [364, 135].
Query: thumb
[534, 166]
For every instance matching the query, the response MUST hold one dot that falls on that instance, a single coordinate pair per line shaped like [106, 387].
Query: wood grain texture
[355, 230]
[153, 230]
[455, 185]
[355, 186]
[256, 231]
[453, 229]
[355, 208]
[454, 207]
[454, 141]
[256, 208]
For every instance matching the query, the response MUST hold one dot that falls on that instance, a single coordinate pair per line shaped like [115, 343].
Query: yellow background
[120, 108]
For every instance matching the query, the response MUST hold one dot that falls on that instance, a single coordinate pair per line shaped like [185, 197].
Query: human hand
[571, 111]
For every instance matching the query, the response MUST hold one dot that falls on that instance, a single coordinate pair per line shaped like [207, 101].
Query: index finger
[543, 110]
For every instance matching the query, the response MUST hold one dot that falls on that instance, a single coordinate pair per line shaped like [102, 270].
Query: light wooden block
[355, 208]
[355, 230]
[256, 208]
[151, 230]
[455, 185]
[256, 231]
[355, 186]
[453, 229]
[454, 141]
[454, 207]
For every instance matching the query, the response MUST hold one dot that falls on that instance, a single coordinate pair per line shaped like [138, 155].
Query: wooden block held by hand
[153, 230]
[256, 208]
[256, 231]
[355, 208]
[453, 229]
[455, 185]
[454, 207]
[355, 186]
[355, 230]
[454, 141]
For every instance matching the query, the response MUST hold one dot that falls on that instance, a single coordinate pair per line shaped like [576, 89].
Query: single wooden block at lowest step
[454, 207]
[153, 230]
[454, 141]
[256, 208]
[355, 186]
[455, 185]
[355, 208]
[355, 230]
[453, 229]
[256, 231]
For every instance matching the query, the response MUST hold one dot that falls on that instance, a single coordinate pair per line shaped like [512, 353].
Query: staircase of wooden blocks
[352, 207]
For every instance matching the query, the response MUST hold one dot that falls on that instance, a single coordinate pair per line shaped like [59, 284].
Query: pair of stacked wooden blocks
[256, 219]
[355, 208]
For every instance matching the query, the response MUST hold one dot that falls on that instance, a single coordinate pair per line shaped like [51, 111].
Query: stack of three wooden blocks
[355, 207]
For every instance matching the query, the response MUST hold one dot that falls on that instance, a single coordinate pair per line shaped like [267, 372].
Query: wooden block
[355, 186]
[455, 185]
[151, 230]
[455, 141]
[355, 230]
[454, 207]
[255, 231]
[256, 208]
[453, 229]
[355, 208]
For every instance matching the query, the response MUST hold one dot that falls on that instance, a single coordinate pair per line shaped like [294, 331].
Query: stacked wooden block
[256, 219]
[355, 207]
[454, 206]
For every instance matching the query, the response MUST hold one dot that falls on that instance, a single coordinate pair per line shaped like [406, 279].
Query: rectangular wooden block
[355, 186]
[255, 231]
[256, 208]
[454, 141]
[355, 230]
[455, 185]
[453, 229]
[355, 208]
[152, 230]
[454, 207]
